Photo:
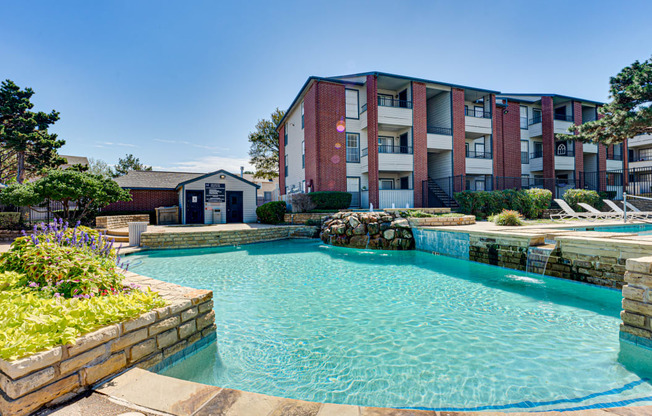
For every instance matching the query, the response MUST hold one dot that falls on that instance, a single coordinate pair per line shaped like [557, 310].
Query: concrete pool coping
[147, 391]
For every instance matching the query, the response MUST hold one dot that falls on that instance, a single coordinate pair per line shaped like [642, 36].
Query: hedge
[330, 199]
[10, 221]
[575, 196]
[529, 202]
[271, 212]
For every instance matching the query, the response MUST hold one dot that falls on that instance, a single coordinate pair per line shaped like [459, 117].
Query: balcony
[440, 138]
[390, 158]
[399, 198]
[394, 112]
[563, 117]
[479, 163]
[477, 121]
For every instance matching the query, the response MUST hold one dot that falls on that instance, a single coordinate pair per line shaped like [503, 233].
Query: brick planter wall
[190, 239]
[111, 222]
[10, 235]
[55, 375]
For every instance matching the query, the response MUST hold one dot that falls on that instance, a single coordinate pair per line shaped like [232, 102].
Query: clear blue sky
[181, 84]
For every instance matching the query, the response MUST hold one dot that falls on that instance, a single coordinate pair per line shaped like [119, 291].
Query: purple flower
[33, 284]
[57, 295]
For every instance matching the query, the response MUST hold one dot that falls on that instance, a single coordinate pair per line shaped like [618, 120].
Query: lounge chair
[571, 213]
[598, 213]
[632, 211]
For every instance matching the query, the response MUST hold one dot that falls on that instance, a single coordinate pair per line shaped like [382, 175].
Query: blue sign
[215, 192]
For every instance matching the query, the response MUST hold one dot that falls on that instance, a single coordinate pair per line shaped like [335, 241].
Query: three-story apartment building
[400, 141]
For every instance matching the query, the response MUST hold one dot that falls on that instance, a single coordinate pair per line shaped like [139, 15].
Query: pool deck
[148, 393]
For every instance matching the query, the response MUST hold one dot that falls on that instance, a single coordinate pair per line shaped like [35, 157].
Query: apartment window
[385, 100]
[466, 110]
[352, 147]
[538, 150]
[479, 150]
[644, 154]
[352, 104]
[303, 186]
[286, 165]
[562, 149]
[478, 110]
[267, 196]
[386, 184]
[536, 116]
[285, 134]
[385, 144]
[523, 117]
[303, 155]
[466, 149]
[302, 124]
[525, 151]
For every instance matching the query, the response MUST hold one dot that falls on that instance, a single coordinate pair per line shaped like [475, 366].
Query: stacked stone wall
[374, 230]
[192, 239]
[111, 222]
[304, 217]
[636, 315]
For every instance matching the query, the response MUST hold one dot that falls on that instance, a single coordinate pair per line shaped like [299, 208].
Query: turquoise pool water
[302, 320]
[640, 229]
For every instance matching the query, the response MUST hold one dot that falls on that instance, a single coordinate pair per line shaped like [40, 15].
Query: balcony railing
[388, 148]
[536, 119]
[477, 112]
[565, 153]
[384, 148]
[563, 117]
[363, 108]
[440, 130]
[536, 154]
[641, 158]
[478, 155]
[393, 102]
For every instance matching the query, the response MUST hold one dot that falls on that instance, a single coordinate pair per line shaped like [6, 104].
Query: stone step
[119, 239]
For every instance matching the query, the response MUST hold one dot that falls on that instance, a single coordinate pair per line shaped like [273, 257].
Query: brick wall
[548, 139]
[507, 142]
[281, 159]
[372, 138]
[579, 146]
[31, 382]
[145, 200]
[459, 136]
[420, 140]
[324, 108]
[497, 115]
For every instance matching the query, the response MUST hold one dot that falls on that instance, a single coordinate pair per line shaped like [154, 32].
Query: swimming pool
[640, 229]
[302, 320]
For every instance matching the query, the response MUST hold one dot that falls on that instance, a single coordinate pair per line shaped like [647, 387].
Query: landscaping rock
[376, 230]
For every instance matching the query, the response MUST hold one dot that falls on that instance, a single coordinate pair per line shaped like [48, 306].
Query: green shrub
[415, 214]
[530, 202]
[575, 196]
[331, 199]
[10, 221]
[271, 212]
[508, 218]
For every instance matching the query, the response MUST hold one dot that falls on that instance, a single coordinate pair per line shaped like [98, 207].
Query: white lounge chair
[632, 211]
[598, 213]
[571, 213]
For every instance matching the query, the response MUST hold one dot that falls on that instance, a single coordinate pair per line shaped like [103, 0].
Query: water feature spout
[393, 205]
[371, 207]
[537, 258]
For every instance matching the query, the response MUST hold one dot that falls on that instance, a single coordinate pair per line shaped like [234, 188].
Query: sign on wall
[215, 192]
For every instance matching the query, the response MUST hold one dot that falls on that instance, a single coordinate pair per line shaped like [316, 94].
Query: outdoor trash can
[135, 230]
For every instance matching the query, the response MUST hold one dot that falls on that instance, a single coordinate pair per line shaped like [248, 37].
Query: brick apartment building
[397, 140]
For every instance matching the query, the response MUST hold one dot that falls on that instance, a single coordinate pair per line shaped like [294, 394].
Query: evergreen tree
[264, 146]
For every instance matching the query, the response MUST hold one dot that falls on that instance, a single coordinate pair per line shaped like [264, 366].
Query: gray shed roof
[151, 179]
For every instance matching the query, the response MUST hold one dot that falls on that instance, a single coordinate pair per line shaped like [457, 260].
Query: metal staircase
[445, 199]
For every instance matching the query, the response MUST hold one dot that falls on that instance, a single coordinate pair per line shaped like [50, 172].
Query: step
[118, 232]
[118, 239]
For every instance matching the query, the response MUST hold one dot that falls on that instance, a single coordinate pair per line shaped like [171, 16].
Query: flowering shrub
[508, 218]
[65, 262]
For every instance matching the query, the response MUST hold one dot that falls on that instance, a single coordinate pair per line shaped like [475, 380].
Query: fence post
[624, 207]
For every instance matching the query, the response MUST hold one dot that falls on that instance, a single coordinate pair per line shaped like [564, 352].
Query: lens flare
[341, 125]
[335, 159]
[338, 145]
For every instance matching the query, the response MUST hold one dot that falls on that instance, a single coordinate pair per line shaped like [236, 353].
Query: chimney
[242, 171]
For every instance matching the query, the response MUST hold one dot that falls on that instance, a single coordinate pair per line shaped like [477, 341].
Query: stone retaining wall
[11, 235]
[440, 221]
[637, 302]
[374, 230]
[55, 375]
[502, 250]
[111, 222]
[192, 239]
[303, 217]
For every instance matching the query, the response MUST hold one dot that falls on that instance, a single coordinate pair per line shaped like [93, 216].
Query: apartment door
[194, 207]
[403, 143]
[402, 99]
[405, 182]
[353, 187]
[234, 206]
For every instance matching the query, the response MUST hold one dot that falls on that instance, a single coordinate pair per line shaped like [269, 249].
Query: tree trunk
[20, 175]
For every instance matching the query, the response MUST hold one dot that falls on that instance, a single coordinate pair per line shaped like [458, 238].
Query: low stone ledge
[441, 221]
[41, 379]
[110, 222]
